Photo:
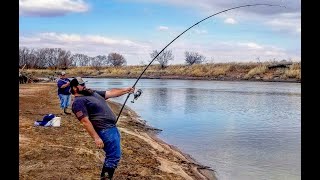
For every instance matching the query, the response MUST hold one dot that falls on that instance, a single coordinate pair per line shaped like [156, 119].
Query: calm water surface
[243, 130]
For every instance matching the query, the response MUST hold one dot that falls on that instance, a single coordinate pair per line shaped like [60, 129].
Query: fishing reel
[136, 95]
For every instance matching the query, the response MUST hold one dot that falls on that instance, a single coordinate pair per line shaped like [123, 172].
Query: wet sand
[68, 152]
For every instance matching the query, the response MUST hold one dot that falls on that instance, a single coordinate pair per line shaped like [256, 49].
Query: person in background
[91, 109]
[64, 94]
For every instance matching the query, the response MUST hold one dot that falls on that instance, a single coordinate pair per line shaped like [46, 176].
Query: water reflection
[262, 93]
[115, 83]
[161, 100]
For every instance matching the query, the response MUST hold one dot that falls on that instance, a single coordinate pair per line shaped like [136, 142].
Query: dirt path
[68, 152]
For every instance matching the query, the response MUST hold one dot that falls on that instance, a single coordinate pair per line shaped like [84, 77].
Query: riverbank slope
[68, 152]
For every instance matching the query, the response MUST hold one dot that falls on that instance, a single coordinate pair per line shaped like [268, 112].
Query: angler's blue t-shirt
[96, 109]
[66, 90]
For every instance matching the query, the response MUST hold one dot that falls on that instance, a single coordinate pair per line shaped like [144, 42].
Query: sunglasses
[83, 84]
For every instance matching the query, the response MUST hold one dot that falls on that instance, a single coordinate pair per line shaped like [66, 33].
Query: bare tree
[142, 62]
[194, 58]
[116, 59]
[26, 57]
[80, 60]
[99, 61]
[64, 59]
[258, 59]
[23, 53]
[33, 59]
[163, 58]
[60, 58]
[52, 57]
[41, 58]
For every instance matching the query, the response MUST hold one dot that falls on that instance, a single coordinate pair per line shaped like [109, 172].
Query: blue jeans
[64, 100]
[112, 146]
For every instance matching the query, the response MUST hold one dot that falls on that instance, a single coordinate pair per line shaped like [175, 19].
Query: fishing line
[248, 5]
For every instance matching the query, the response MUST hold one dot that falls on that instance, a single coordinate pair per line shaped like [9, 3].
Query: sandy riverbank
[68, 152]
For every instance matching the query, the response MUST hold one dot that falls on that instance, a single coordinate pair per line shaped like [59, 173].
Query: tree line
[57, 58]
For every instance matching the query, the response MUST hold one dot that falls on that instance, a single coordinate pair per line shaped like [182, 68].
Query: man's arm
[61, 83]
[115, 92]
[88, 126]
[65, 85]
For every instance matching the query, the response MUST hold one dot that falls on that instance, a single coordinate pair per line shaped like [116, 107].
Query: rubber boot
[109, 171]
[65, 111]
[103, 174]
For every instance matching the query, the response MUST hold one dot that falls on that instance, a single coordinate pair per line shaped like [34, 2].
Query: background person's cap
[76, 81]
[63, 73]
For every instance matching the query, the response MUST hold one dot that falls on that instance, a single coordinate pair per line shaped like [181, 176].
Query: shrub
[259, 70]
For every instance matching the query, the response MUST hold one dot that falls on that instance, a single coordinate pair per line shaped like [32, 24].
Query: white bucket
[56, 121]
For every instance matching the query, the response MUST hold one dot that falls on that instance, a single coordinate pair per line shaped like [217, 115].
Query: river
[242, 130]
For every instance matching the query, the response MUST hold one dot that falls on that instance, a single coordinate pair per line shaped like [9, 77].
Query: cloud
[200, 31]
[135, 52]
[163, 28]
[65, 39]
[288, 22]
[275, 16]
[265, 52]
[230, 21]
[219, 5]
[50, 8]
[251, 45]
[91, 45]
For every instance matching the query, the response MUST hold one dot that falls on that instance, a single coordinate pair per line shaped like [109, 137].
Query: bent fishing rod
[178, 37]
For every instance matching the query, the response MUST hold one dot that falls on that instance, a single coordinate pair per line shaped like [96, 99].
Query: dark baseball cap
[76, 81]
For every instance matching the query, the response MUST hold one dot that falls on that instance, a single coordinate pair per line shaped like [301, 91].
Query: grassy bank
[267, 71]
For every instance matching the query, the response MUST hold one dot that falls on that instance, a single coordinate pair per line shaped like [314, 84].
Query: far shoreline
[250, 72]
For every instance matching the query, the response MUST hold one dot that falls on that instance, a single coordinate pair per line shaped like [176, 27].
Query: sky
[136, 28]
